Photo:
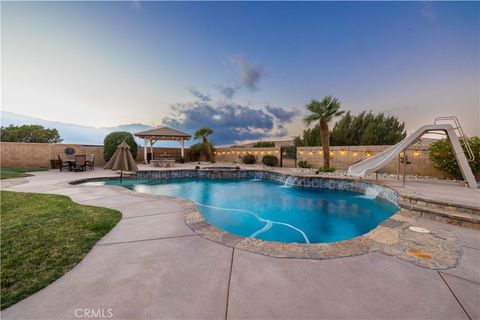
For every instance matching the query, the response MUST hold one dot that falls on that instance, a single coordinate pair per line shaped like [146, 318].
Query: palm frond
[203, 132]
[326, 109]
[313, 106]
[309, 119]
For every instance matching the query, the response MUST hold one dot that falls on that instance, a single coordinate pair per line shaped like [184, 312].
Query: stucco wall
[235, 155]
[15, 154]
[343, 157]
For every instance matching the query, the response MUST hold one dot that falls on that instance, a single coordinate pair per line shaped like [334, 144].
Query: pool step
[442, 211]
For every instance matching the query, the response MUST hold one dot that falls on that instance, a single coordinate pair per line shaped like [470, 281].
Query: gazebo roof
[163, 133]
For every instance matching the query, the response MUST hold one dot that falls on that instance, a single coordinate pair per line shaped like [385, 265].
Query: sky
[246, 69]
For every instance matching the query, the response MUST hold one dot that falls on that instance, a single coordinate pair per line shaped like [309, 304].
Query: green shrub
[322, 169]
[112, 140]
[303, 164]
[442, 156]
[197, 150]
[264, 144]
[270, 160]
[249, 159]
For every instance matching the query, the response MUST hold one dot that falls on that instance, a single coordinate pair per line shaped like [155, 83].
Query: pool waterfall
[258, 176]
[289, 182]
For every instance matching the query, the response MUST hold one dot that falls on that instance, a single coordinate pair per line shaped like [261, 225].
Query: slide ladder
[461, 135]
[378, 161]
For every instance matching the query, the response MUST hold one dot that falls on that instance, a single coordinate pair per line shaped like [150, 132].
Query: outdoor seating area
[78, 163]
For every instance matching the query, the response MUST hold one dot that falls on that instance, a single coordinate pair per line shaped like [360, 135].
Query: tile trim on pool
[301, 181]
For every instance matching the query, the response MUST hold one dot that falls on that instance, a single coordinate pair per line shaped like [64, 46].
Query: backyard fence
[340, 158]
[235, 155]
[284, 155]
[15, 154]
[343, 157]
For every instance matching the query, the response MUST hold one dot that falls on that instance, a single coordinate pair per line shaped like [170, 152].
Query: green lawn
[16, 172]
[43, 237]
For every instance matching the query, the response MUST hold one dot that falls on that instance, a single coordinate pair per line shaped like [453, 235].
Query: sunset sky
[245, 69]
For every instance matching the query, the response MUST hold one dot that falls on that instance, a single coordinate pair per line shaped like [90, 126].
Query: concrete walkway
[151, 266]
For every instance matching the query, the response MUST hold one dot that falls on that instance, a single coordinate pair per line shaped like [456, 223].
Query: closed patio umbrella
[122, 160]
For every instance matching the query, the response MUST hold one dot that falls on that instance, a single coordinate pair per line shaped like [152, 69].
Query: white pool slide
[378, 161]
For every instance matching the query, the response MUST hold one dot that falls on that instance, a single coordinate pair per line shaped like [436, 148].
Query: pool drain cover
[419, 229]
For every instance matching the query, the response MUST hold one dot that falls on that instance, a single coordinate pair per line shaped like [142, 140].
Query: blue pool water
[269, 211]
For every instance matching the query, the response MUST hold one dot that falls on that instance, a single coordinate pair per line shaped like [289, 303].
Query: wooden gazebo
[165, 134]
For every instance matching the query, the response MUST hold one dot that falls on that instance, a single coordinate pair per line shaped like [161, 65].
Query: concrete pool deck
[152, 266]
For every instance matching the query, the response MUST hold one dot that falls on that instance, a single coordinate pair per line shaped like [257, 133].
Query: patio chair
[91, 163]
[80, 162]
[64, 164]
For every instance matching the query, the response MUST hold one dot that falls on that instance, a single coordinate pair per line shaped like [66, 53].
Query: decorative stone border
[438, 249]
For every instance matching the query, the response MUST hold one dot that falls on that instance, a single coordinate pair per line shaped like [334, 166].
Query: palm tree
[324, 111]
[203, 133]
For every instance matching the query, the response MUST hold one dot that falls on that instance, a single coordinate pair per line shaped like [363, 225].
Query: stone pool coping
[439, 249]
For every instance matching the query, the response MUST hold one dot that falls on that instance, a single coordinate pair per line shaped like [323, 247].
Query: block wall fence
[235, 155]
[16, 154]
[13, 154]
[340, 158]
[343, 157]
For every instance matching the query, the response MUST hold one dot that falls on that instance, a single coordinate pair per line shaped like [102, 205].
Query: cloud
[228, 91]
[281, 131]
[281, 114]
[427, 10]
[231, 123]
[250, 74]
[197, 94]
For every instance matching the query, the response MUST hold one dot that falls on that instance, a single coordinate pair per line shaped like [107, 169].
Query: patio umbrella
[122, 160]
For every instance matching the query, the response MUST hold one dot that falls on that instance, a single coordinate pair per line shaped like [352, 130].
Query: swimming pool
[268, 210]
